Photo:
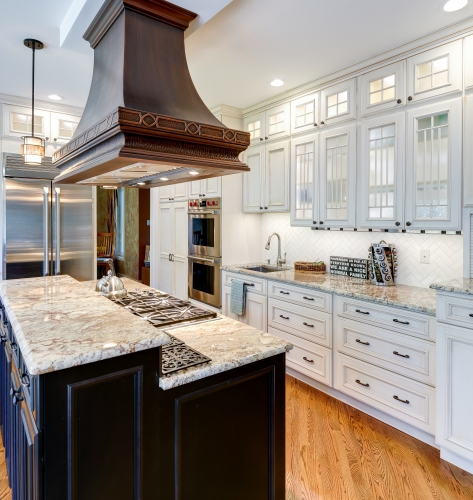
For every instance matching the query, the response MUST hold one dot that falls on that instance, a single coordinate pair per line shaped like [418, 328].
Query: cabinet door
[454, 395]
[17, 122]
[179, 252]
[434, 166]
[63, 127]
[195, 189]
[256, 311]
[435, 72]
[226, 299]
[468, 62]
[468, 151]
[305, 113]
[179, 191]
[338, 177]
[211, 188]
[338, 103]
[276, 178]
[383, 88]
[165, 194]
[252, 180]
[304, 180]
[166, 247]
[277, 122]
[381, 197]
[28, 455]
[255, 124]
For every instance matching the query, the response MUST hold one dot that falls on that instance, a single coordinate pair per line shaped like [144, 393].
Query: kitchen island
[87, 414]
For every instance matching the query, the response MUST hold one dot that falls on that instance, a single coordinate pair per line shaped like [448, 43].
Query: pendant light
[33, 147]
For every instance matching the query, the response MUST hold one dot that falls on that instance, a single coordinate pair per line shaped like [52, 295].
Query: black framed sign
[347, 266]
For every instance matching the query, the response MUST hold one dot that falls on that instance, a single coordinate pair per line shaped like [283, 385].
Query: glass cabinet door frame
[348, 86]
[301, 110]
[453, 220]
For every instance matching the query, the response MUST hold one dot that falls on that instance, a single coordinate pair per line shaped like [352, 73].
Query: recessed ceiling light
[276, 83]
[453, 5]
[193, 172]
[141, 183]
[55, 97]
[163, 179]
[109, 187]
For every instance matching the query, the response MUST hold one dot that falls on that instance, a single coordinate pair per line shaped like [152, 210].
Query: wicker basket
[309, 267]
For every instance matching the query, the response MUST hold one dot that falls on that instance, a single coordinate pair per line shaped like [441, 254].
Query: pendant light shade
[32, 148]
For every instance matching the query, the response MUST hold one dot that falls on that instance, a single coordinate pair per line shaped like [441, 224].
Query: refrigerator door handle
[58, 230]
[46, 231]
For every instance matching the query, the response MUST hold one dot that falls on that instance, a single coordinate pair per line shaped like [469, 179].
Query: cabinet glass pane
[336, 175]
[22, 123]
[432, 169]
[383, 89]
[304, 114]
[337, 104]
[254, 128]
[304, 180]
[276, 123]
[432, 74]
[275, 177]
[66, 129]
[381, 179]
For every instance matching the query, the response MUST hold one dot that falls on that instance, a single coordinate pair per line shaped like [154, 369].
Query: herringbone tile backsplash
[301, 243]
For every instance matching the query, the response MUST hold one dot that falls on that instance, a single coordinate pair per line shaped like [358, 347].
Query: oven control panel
[205, 204]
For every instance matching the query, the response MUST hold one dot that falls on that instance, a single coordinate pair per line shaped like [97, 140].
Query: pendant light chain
[32, 96]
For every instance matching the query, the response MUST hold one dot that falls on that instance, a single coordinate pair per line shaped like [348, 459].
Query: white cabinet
[434, 166]
[63, 127]
[383, 88]
[255, 314]
[338, 103]
[381, 193]
[337, 177]
[468, 62]
[173, 271]
[468, 151]
[266, 186]
[274, 123]
[304, 180]
[435, 72]
[305, 113]
[454, 394]
[174, 192]
[206, 188]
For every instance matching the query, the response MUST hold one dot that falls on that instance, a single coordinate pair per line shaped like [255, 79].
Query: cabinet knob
[266, 138]
[408, 223]
[47, 138]
[314, 222]
[261, 208]
[315, 124]
[398, 223]
[260, 138]
[322, 123]
[55, 139]
[266, 208]
[321, 222]
[399, 101]
[409, 98]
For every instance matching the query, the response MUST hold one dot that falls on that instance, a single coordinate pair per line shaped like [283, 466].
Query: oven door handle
[213, 261]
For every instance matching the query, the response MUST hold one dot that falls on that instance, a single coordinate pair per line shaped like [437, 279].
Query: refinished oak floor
[335, 452]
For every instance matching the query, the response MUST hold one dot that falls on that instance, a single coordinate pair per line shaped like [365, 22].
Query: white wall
[446, 251]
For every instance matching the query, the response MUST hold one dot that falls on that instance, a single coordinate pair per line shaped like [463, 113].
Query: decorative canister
[382, 264]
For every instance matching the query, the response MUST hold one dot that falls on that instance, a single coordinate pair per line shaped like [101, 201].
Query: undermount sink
[265, 269]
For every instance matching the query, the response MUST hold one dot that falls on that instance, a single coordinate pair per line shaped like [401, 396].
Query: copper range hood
[144, 123]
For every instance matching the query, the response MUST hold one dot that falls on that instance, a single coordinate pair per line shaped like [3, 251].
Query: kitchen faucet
[279, 260]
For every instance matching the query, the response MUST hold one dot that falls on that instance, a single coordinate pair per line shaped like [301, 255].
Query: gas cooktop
[163, 310]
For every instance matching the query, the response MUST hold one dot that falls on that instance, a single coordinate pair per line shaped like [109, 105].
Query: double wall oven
[205, 251]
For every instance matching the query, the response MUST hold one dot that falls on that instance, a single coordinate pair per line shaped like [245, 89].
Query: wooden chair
[106, 251]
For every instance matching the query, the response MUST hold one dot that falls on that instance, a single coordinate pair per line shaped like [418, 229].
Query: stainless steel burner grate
[178, 357]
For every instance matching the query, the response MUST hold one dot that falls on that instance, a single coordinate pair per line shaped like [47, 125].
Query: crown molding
[223, 109]
[44, 105]
[439, 37]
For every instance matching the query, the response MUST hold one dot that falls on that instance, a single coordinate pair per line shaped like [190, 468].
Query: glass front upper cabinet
[268, 125]
[338, 103]
[383, 88]
[305, 113]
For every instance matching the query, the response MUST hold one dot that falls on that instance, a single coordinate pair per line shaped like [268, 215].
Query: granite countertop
[59, 323]
[412, 298]
[464, 285]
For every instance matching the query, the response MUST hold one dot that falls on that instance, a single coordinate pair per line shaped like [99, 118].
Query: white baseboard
[369, 410]
[457, 460]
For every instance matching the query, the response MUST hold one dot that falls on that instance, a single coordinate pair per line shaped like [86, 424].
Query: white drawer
[304, 322]
[420, 325]
[404, 398]
[255, 285]
[303, 296]
[308, 358]
[409, 356]
[455, 309]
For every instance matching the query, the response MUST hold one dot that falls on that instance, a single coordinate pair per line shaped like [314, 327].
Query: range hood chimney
[144, 123]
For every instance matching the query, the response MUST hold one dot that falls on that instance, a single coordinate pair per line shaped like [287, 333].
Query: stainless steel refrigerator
[48, 229]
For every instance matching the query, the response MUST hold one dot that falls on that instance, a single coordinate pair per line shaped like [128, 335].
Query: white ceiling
[238, 48]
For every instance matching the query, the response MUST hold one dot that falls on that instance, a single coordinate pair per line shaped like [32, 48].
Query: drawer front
[420, 325]
[455, 310]
[308, 358]
[414, 358]
[394, 394]
[309, 324]
[255, 285]
[303, 296]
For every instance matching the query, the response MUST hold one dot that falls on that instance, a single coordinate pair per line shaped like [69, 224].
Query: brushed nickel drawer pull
[402, 322]
[308, 298]
[307, 324]
[284, 293]
[308, 360]
[283, 317]
[361, 312]
[402, 355]
[361, 342]
[401, 400]
[361, 383]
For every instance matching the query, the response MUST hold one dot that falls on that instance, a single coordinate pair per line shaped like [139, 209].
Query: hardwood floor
[335, 452]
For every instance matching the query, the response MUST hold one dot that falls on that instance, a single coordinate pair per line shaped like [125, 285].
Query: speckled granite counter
[464, 285]
[59, 323]
[402, 296]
